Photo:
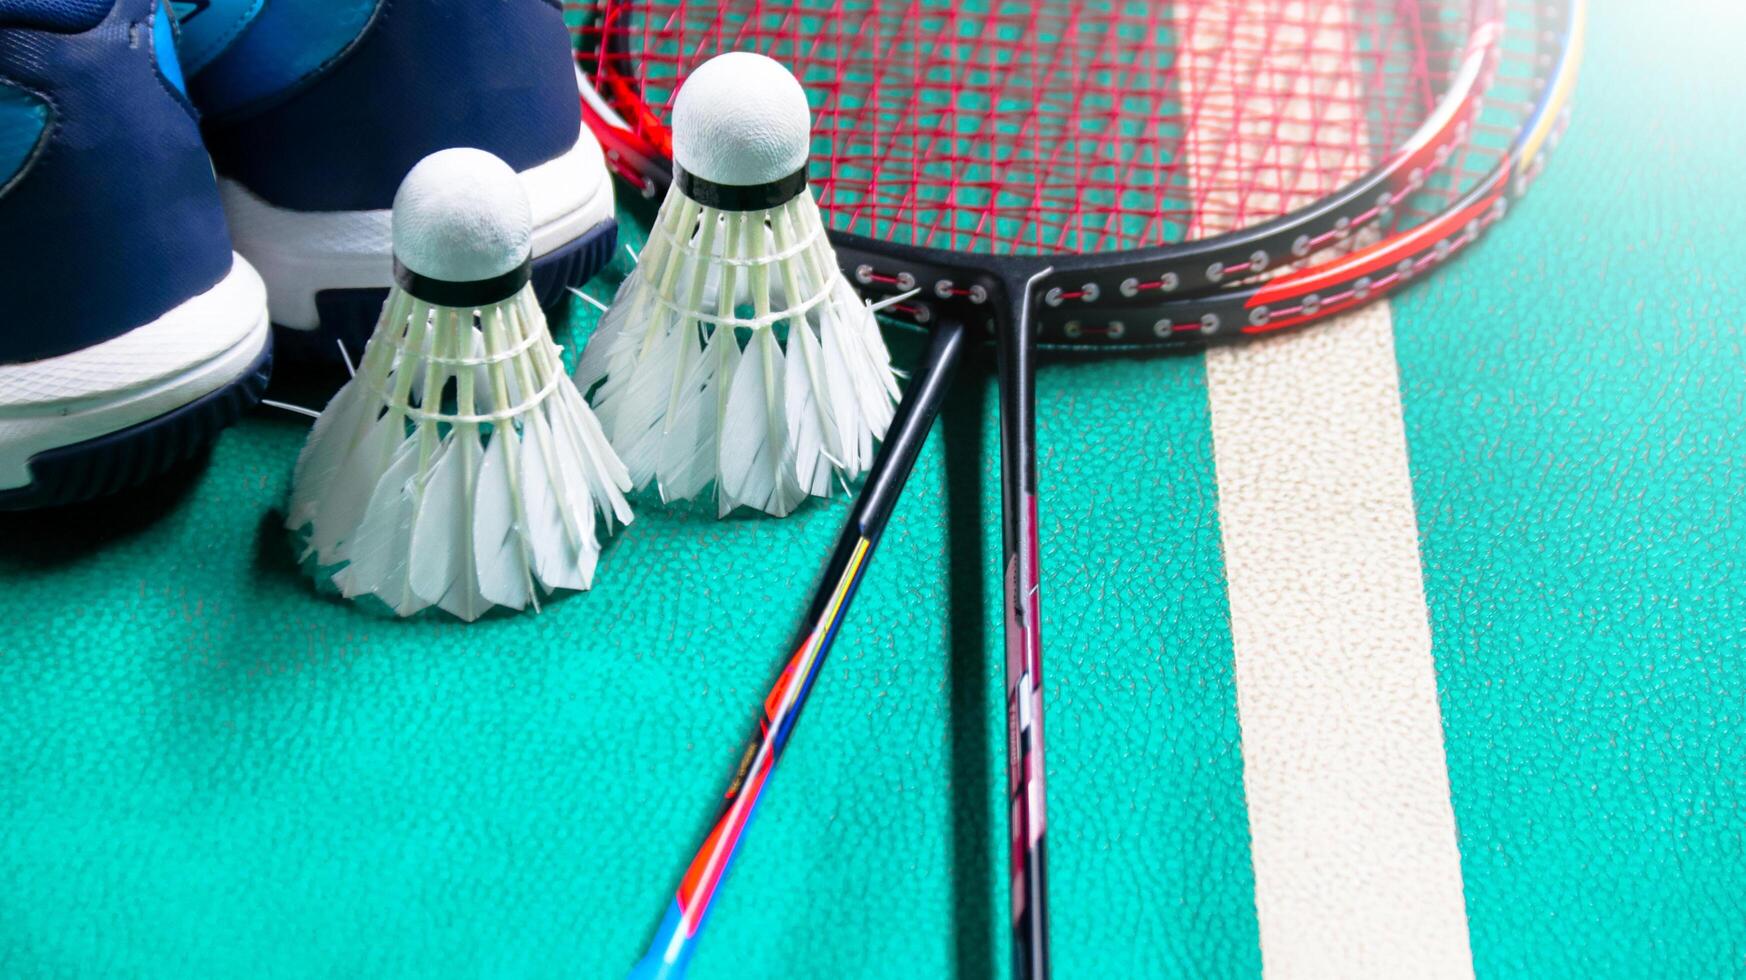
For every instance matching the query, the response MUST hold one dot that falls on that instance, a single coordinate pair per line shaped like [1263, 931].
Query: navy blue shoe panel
[114, 219]
[54, 15]
[426, 75]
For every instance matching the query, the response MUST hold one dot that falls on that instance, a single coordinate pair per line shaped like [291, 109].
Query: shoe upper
[324, 105]
[109, 211]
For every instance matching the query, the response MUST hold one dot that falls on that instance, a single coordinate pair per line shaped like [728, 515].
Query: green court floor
[209, 769]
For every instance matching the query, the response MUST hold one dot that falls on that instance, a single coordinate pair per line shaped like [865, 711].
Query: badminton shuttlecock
[460, 466]
[737, 352]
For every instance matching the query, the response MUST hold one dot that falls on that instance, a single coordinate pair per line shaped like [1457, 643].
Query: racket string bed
[1062, 133]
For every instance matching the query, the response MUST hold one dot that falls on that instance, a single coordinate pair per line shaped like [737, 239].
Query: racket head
[960, 155]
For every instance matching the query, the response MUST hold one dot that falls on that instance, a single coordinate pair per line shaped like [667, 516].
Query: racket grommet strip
[1259, 316]
[1215, 272]
[1130, 287]
[1163, 329]
[1169, 281]
[1209, 324]
[1053, 296]
[947, 289]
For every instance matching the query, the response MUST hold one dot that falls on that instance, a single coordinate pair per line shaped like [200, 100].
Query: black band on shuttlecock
[740, 197]
[463, 295]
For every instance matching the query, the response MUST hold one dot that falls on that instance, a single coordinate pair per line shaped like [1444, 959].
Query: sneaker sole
[109, 417]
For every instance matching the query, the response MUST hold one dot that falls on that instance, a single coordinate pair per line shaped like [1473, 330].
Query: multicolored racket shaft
[675, 938]
[671, 948]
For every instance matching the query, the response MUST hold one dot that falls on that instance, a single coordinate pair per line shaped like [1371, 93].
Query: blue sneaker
[132, 332]
[315, 110]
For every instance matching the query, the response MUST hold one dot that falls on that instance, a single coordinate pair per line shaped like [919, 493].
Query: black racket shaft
[915, 416]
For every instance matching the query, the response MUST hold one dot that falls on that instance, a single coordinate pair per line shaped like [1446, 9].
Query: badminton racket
[1118, 175]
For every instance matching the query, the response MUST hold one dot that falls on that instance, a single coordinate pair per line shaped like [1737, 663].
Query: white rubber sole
[302, 253]
[191, 351]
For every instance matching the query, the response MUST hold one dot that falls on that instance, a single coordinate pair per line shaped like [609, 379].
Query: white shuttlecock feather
[460, 467]
[738, 253]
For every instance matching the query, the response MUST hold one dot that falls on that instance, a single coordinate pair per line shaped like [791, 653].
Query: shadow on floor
[964, 429]
[39, 540]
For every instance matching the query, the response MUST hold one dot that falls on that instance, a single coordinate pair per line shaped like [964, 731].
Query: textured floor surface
[208, 769]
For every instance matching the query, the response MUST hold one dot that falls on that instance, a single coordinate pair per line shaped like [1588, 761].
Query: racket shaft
[671, 949]
[1024, 698]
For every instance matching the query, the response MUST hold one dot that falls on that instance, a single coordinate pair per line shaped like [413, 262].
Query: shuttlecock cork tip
[461, 216]
[741, 119]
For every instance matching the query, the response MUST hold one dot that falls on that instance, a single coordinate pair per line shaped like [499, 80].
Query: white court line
[1354, 848]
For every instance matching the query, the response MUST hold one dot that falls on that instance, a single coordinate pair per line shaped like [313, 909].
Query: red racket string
[1046, 128]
